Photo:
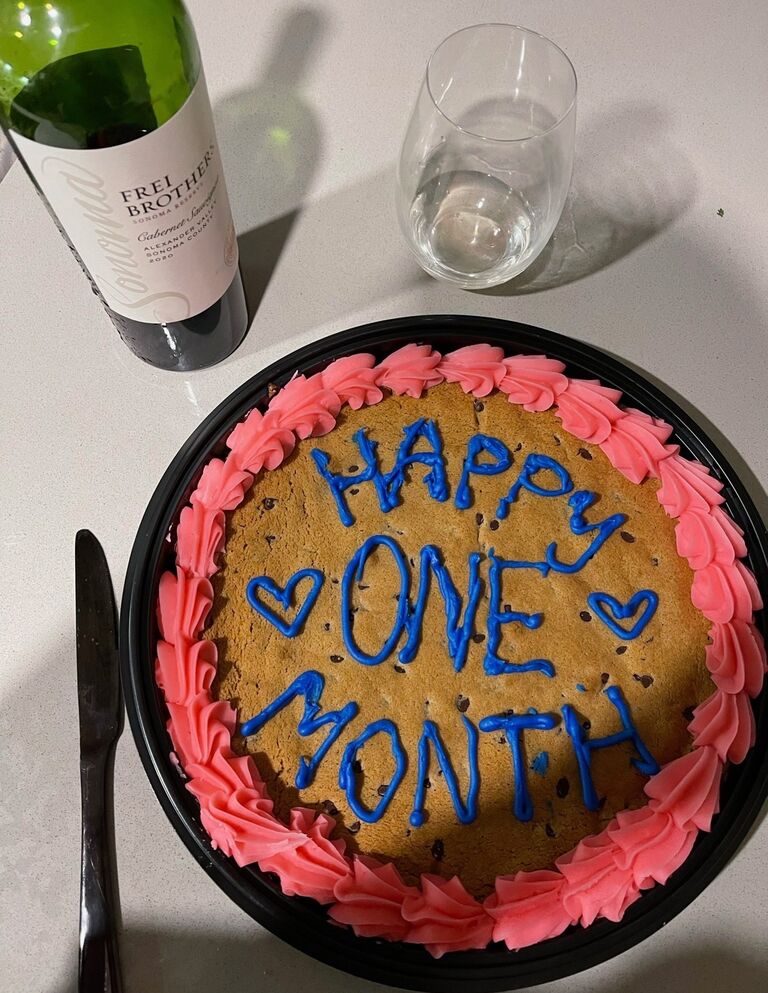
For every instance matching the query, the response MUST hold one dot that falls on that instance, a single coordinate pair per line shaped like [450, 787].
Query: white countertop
[672, 134]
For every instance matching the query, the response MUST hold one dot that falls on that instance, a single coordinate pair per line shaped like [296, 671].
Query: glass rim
[523, 30]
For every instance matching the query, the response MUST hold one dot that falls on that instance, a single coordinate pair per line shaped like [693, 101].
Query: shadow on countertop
[6, 157]
[175, 962]
[630, 182]
[716, 969]
[271, 146]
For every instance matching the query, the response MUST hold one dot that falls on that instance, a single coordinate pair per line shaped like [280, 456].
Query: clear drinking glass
[486, 161]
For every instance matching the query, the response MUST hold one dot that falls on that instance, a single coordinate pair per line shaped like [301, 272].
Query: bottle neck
[69, 59]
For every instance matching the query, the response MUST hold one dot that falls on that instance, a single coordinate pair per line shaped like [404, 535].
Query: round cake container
[303, 923]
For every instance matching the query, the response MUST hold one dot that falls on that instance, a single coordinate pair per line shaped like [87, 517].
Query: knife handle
[99, 970]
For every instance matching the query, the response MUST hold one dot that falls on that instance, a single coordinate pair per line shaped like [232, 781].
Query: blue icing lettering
[410, 618]
[354, 573]
[513, 726]
[540, 764]
[485, 456]
[458, 632]
[535, 463]
[478, 444]
[465, 812]
[348, 779]
[436, 478]
[584, 746]
[338, 482]
[493, 664]
[310, 685]
[580, 501]
[621, 611]
[284, 597]
[388, 485]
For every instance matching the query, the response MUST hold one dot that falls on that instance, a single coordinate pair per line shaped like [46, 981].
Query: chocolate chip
[354, 827]
[556, 439]
[645, 681]
[648, 640]
[354, 468]
[550, 831]
[494, 525]
[562, 788]
[621, 649]
[382, 790]
[362, 586]
[407, 832]
[502, 740]
[479, 407]
[626, 536]
[462, 703]
[586, 725]
[327, 625]
[438, 850]
[507, 607]
[654, 560]
[585, 454]
[269, 503]
[604, 677]
[479, 519]
[428, 783]
[518, 446]
[688, 713]
[337, 658]
[585, 615]
[329, 808]
[354, 491]
[335, 581]
[399, 668]
[478, 638]
[357, 766]
[269, 538]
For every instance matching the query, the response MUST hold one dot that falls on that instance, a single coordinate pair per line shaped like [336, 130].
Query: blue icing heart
[285, 597]
[646, 599]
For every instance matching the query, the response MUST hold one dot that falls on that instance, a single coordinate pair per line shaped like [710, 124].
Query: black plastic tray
[303, 923]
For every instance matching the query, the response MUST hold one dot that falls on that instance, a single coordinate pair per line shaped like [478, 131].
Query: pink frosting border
[604, 873]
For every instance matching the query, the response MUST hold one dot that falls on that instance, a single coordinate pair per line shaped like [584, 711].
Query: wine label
[150, 219]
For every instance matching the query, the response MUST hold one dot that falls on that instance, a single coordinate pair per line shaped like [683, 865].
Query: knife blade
[100, 709]
[98, 678]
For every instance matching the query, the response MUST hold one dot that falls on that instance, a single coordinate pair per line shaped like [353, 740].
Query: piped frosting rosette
[605, 873]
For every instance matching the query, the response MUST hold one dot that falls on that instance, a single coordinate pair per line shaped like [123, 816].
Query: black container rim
[303, 923]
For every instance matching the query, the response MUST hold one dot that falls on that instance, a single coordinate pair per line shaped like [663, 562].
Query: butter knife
[100, 705]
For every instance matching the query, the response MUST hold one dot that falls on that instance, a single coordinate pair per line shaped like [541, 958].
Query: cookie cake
[458, 646]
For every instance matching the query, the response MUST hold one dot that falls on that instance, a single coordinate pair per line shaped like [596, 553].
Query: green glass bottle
[106, 107]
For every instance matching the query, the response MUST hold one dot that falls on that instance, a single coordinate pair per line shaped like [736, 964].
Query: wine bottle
[106, 106]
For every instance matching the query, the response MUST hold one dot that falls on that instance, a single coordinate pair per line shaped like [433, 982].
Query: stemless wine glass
[487, 157]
